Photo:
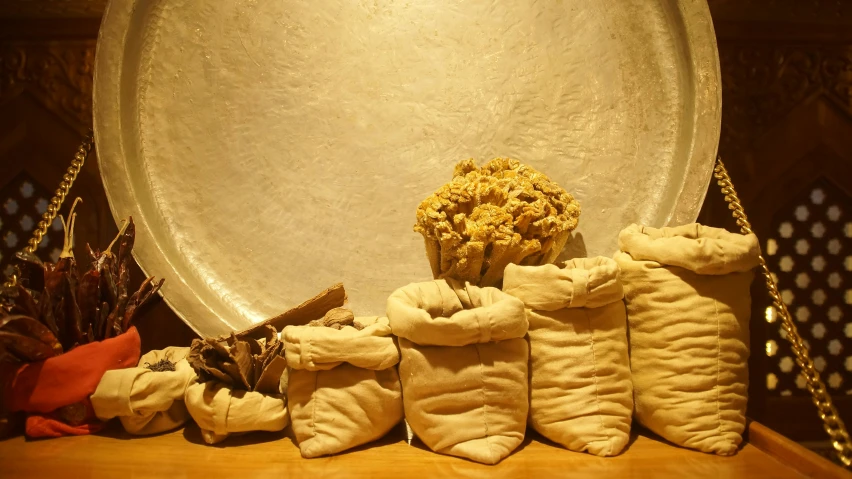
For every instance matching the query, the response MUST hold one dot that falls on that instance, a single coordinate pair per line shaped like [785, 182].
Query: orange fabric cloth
[43, 387]
[51, 424]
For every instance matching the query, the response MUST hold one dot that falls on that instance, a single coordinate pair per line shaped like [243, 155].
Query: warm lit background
[786, 139]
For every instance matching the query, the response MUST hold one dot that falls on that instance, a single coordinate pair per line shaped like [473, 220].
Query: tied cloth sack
[343, 389]
[463, 367]
[55, 392]
[581, 395]
[688, 308]
[240, 386]
[147, 399]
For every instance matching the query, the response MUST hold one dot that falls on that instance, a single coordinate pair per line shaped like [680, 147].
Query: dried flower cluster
[59, 309]
[241, 362]
[485, 218]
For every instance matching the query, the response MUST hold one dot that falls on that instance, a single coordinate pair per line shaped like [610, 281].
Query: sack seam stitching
[595, 376]
[484, 399]
[314, 400]
[719, 369]
[315, 397]
[227, 412]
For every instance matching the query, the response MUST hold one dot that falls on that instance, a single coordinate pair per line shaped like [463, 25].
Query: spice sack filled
[343, 389]
[688, 308]
[581, 395]
[463, 367]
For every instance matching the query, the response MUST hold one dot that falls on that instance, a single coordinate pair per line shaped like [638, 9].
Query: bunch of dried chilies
[54, 308]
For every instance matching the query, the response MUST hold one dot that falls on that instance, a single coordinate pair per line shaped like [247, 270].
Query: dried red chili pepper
[72, 309]
[24, 302]
[145, 292]
[46, 313]
[88, 298]
[27, 326]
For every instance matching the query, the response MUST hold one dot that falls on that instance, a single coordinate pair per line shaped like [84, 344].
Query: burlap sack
[581, 395]
[220, 411]
[146, 401]
[344, 389]
[463, 367]
[688, 307]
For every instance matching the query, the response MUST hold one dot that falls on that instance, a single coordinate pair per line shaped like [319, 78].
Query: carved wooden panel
[57, 73]
[777, 11]
[52, 8]
[764, 82]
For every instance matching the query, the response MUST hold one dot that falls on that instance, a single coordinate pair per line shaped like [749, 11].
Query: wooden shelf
[182, 454]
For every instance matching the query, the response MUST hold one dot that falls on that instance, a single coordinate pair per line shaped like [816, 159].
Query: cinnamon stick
[314, 308]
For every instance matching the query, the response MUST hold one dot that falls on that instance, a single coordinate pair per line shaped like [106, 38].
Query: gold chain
[56, 202]
[832, 423]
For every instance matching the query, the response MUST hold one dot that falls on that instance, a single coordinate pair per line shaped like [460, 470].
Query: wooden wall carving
[57, 73]
[777, 11]
[763, 82]
[52, 8]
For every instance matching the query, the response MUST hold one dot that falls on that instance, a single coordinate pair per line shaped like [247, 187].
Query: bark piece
[314, 308]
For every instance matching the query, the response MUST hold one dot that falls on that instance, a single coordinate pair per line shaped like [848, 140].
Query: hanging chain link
[56, 202]
[832, 423]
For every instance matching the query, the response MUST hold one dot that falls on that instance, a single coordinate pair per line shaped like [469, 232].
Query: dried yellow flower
[485, 218]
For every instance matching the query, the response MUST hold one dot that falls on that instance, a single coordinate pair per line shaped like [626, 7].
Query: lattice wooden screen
[22, 202]
[810, 252]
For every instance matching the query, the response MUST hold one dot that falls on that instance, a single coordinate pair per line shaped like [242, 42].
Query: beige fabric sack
[220, 411]
[144, 400]
[344, 389]
[581, 395]
[463, 367]
[688, 308]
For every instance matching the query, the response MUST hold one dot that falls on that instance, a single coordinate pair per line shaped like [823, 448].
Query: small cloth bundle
[240, 385]
[581, 395]
[688, 308]
[343, 389]
[463, 367]
[147, 399]
[55, 392]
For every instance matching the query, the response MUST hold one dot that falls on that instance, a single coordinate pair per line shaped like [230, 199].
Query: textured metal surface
[269, 149]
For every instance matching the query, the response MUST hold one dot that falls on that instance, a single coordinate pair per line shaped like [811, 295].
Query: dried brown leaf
[242, 361]
[269, 380]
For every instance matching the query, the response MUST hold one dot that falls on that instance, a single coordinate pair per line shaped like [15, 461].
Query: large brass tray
[269, 149]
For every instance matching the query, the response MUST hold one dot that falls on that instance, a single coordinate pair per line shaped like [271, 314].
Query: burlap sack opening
[220, 411]
[688, 307]
[146, 401]
[581, 395]
[344, 389]
[463, 367]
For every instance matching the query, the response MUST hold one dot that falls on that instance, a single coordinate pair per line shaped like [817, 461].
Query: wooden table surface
[182, 454]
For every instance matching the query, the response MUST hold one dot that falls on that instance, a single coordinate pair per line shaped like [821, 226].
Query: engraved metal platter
[268, 149]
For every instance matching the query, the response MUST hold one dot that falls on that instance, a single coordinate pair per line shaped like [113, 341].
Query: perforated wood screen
[23, 202]
[810, 252]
